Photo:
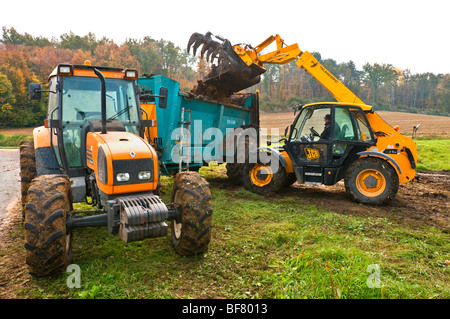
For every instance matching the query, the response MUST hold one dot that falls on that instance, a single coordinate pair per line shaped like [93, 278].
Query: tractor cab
[74, 108]
[323, 136]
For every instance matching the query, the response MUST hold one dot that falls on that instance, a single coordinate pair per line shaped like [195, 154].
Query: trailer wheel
[234, 173]
[371, 181]
[245, 140]
[191, 233]
[261, 179]
[27, 169]
[48, 243]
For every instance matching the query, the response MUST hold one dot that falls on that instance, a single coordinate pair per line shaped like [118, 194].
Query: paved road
[9, 179]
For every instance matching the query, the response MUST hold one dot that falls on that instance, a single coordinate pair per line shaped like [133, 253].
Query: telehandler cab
[92, 149]
[371, 156]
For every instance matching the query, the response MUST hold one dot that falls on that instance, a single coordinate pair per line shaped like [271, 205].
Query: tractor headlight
[145, 175]
[123, 177]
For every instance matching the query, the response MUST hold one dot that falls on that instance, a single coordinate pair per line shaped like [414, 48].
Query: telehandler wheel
[261, 179]
[191, 233]
[27, 169]
[371, 181]
[48, 243]
[290, 179]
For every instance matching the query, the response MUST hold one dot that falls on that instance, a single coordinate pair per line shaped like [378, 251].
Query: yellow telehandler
[356, 144]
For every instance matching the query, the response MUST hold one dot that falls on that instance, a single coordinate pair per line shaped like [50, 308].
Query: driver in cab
[326, 134]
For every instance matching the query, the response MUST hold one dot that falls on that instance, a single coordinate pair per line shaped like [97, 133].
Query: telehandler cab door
[324, 135]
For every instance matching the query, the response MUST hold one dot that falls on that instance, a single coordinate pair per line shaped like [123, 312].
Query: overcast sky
[408, 34]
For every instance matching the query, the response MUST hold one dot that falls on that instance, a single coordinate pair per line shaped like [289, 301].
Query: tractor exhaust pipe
[103, 94]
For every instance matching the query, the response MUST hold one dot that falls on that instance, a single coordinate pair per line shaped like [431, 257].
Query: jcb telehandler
[356, 144]
[92, 149]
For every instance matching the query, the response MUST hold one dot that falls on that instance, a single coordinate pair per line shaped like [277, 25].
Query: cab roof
[364, 107]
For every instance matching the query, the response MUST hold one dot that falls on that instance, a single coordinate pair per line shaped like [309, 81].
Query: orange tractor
[92, 149]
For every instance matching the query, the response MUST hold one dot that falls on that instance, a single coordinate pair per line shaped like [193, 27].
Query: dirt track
[10, 187]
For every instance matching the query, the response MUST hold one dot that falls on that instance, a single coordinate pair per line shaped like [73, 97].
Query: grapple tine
[208, 54]
[204, 49]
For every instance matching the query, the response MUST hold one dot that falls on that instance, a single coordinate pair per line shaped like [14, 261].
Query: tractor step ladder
[183, 141]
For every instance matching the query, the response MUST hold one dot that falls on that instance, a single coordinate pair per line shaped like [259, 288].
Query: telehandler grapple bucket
[230, 73]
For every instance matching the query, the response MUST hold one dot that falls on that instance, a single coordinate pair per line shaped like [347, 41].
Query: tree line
[26, 59]
[380, 85]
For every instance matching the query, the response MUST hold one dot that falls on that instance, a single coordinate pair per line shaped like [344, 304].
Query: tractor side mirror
[163, 92]
[34, 91]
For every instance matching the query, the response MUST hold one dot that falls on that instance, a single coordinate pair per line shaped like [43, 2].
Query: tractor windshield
[81, 100]
[81, 103]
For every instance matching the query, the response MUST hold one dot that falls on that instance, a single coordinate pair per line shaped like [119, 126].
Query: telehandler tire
[27, 169]
[291, 178]
[48, 243]
[371, 180]
[259, 178]
[191, 233]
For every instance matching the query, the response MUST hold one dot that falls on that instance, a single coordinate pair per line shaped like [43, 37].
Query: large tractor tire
[244, 142]
[27, 169]
[371, 181]
[234, 173]
[191, 233]
[259, 178]
[48, 243]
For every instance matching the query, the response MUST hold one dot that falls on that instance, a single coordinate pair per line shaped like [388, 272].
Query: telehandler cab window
[81, 103]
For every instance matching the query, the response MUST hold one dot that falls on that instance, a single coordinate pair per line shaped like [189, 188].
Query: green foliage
[433, 154]
[12, 141]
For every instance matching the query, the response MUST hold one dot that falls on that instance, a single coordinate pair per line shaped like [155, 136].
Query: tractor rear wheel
[191, 233]
[371, 181]
[27, 169]
[262, 179]
[48, 243]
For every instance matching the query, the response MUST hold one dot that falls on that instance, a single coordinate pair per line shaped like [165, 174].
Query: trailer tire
[27, 169]
[191, 233]
[234, 173]
[48, 243]
[371, 180]
[244, 142]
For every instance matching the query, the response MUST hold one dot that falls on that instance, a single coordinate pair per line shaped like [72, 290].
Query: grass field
[261, 248]
[281, 247]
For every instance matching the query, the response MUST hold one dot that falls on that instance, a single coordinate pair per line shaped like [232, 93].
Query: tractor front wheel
[191, 233]
[371, 181]
[48, 243]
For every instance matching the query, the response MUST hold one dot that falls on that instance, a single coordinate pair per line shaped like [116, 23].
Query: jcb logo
[311, 153]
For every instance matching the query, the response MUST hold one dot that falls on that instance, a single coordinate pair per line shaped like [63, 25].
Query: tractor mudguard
[384, 156]
[46, 163]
